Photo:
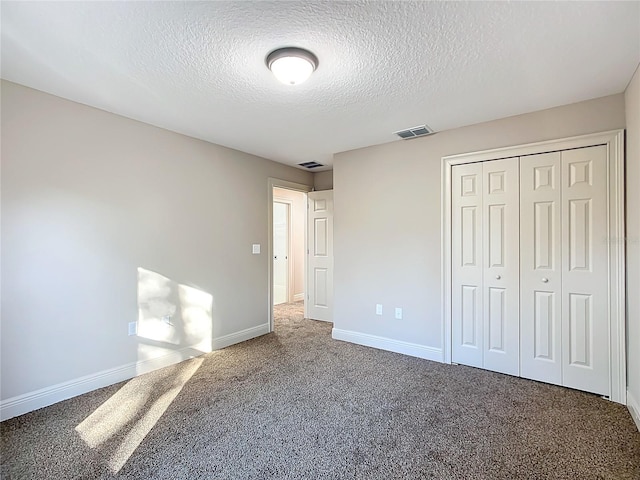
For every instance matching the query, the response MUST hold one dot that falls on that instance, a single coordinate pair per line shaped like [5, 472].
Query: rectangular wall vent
[413, 132]
[311, 165]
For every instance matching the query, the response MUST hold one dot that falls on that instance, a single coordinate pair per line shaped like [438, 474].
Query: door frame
[614, 141]
[299, 187]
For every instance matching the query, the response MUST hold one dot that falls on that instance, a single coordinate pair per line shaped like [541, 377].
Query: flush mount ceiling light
[291, 65]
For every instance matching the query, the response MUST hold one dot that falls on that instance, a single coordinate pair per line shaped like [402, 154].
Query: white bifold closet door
[485, 270]
[564, 269]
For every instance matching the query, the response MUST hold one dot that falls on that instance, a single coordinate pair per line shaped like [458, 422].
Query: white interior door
[501, 293]
[320, 255]
[467, 264]
[540, 268]
[280, 252]
[585, 270]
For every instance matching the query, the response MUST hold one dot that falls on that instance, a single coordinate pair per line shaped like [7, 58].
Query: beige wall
[632, 103]
[89, 197]
[298, 207]
[387, 229]
[323, 180]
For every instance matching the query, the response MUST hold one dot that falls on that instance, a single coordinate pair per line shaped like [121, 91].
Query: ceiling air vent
[413, 132]
[311, 165]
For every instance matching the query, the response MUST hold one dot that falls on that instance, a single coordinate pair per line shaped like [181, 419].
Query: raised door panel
[320, 287]
[545, 324]
[469, 315]
[540, 267]
[466, 269]
[497, 319]
[500, 282]
[580, 330]
[585, 252]
[320, 239]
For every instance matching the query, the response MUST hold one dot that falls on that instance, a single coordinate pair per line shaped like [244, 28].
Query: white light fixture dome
[291, 65]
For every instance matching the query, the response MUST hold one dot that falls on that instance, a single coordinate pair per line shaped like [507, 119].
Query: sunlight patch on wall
[157, 305]
[120, 424]
[195, 311]
[171, 316]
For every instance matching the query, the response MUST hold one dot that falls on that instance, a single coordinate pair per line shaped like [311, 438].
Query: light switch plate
[378, 309]
[256, 248]
[398, 313]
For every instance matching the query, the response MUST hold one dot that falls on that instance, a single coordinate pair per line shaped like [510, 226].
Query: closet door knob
[545, 280]
[498, 277]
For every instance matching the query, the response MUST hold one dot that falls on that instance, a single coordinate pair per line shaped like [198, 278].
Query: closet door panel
[585, 253]
[466, 271]
[501, 266]
[540, 267]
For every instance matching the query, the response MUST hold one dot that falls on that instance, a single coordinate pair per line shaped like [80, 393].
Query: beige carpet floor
[296, 404]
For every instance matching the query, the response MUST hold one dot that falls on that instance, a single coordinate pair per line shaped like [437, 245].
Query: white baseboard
[383, 343]
[241, 336]
[298, 296]
[634, 408]
[28, 402]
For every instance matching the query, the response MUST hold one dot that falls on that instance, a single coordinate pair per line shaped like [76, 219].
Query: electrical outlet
[378, 309]
[133, 328]
[398, 313]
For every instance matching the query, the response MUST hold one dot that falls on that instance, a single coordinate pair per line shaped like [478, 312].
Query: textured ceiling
[198, 67]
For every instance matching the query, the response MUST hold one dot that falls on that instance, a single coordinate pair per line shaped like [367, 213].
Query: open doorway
[289, 223]
[285, 266]
[287, 248]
